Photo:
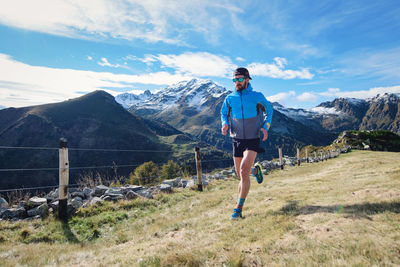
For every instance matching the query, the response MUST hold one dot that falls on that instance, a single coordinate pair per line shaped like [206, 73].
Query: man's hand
[224, 129]
[265, 133]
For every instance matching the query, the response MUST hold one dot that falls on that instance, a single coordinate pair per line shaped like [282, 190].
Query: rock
[78, 194]
[32, 212]
[77, 202]
[95, 200]
[43, 210]
[36, 201]
[99, 190]
[87, 192]
[134, 188]
[165, 188]
[114, 191]
[190, 183]
[172, 182]
[53, 195]
[111, 196]
[54, 205]
[23, 204]
[3, 203]
[147, 193]
[182, 183]
[13, 213]
[131, 195]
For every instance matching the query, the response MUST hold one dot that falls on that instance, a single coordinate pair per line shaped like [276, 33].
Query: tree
[144, 174]
[170, 170]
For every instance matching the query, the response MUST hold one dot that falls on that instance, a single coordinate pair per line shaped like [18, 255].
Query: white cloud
[361, 94]
[22, 84]
[240, 59]
[307, 97]
[201, 64]
[276, 70]
[89, 58]
[126, 19]
[104, 62]
[282, 97]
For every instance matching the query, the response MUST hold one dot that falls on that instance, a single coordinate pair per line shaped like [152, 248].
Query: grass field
[340, 212]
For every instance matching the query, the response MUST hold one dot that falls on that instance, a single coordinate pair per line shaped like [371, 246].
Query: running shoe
[237, 213]
[259, 176]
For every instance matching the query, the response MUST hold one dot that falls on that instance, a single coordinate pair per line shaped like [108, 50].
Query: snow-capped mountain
[127, 99]
[194, 93]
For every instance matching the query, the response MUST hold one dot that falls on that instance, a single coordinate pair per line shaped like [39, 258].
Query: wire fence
[206, 168]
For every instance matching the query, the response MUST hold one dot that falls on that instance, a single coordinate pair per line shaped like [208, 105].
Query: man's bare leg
[245, 168]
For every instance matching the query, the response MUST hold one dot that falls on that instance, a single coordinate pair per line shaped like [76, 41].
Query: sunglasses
[238, 80]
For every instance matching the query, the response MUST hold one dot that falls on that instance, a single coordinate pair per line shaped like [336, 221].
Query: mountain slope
[91, 121]
[336, 212]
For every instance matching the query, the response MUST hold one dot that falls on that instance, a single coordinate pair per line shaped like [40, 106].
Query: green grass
[340, 212]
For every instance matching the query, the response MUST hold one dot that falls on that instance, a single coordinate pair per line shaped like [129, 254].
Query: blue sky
[299, 53]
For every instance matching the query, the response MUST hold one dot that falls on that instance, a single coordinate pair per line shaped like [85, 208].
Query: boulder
[3, 203]
[99, 190]
[87, 192]
[134, 188]
[13, 213]
[183, 183]
[165, 188]
[78, 194]
[95, 200]
[172, 182]
[36, 201]
[114, 191]
[77, 202]
[147, 193]
[131, 195]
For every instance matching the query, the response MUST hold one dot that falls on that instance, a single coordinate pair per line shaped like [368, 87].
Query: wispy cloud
[307, 97]
[281, 97]
[199, 64]
[361, 94]
[152, 21]
[22, 84]
[277, 70]
[383, 64]
[104, 62]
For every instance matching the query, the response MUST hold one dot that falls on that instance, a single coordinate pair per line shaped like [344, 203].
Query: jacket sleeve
[225, 112]
[268, 110]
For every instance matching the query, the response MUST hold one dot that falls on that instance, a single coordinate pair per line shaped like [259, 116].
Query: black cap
[242, 71]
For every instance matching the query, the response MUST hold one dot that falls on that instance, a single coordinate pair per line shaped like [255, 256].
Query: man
[242, 112]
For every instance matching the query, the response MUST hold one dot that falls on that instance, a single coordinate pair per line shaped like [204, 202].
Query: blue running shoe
[259, 176]
[237, 213]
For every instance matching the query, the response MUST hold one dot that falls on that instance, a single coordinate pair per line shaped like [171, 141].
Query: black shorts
[241, 145]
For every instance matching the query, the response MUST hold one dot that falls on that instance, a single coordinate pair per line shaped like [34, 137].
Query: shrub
[144, 174]
[170, 170]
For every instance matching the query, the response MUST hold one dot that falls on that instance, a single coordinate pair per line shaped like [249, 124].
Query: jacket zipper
[241, 103]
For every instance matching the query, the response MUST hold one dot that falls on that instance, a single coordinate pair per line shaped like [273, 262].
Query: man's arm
[269, 111]
[224, 116]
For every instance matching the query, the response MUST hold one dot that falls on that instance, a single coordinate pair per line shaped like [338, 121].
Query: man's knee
[245, 172]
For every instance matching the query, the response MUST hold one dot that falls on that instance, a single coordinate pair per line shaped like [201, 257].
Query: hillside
[93, 121]
[338, 212]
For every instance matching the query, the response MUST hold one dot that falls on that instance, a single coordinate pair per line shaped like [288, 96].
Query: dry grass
[341, 212]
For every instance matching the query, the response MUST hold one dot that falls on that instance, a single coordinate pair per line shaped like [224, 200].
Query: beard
[239, 87]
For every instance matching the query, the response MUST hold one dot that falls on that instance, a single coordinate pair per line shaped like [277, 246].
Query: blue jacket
[243, 112]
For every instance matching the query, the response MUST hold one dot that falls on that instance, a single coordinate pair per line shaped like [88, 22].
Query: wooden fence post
[198, 168]
[308, 161]
[63, 180]
[315, 156]
[298, 156]
[280, 157]
[322, 156]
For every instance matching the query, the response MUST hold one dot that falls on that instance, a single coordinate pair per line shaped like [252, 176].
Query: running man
[243, 112]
